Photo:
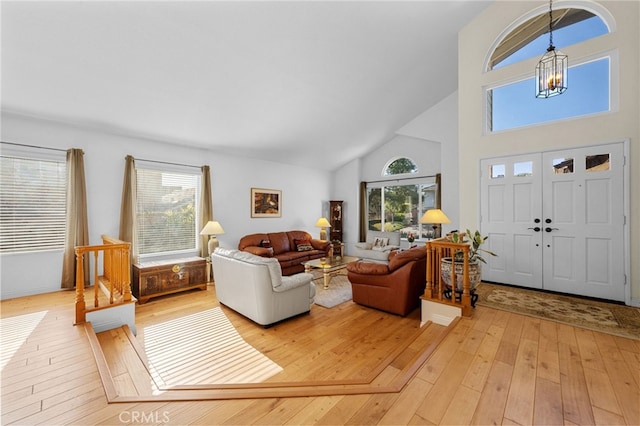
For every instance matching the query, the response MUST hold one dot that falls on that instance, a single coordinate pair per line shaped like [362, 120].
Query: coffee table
[329, 268]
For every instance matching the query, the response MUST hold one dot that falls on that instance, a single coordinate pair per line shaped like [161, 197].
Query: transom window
[167, 209]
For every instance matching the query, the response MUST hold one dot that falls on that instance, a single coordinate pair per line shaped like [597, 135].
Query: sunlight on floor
[14, 332]
[204, 348]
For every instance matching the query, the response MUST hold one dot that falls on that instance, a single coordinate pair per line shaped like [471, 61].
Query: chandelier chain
[550, 25]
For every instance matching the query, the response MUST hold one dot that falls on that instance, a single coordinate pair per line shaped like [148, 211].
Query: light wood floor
[496, 368]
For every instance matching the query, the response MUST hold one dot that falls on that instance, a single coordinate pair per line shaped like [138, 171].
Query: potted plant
[475, 260]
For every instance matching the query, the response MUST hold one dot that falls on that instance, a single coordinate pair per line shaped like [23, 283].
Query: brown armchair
[394, 288]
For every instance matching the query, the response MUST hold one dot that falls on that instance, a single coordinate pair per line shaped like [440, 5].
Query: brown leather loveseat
[394, 288]
[291, 248]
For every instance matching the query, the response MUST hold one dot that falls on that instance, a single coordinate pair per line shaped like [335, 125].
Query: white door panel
[585, 243]
[557, 223]
[510, 205]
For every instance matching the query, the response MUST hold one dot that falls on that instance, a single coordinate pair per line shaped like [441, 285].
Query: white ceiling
[286, 81]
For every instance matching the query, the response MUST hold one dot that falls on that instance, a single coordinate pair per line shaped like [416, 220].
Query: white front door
[556, 219]
[583, 242]
[511, 210]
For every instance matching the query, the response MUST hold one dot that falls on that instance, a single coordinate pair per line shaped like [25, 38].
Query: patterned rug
[339, 291]
[605, 317]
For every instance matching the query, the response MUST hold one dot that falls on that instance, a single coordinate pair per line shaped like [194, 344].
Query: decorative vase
[475, 273]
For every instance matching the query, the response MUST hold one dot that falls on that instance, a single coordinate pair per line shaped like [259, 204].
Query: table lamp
[436, 217]
[212, 228]
[323, 223]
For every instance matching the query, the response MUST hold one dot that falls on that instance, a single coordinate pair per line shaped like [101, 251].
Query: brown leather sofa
[394, 288]
[291, 248]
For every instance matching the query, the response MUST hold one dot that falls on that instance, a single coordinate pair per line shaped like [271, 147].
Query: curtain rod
[404, 179]
[167, 162]
[33, 146]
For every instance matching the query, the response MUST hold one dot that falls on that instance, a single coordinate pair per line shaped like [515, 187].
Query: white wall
[440, 124]
[305, 192]
[475, 42]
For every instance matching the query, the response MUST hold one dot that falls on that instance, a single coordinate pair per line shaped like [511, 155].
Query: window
[33, 200]
[167, 206]
[513, 104]
[400, 166]
[398, 206]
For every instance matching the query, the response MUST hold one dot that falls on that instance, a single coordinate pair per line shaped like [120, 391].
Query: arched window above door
[530, 38]
[511, 102]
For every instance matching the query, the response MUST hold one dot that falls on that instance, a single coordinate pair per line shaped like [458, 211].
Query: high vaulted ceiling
[287, 81]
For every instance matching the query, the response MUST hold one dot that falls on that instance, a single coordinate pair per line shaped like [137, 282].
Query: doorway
[556, 220]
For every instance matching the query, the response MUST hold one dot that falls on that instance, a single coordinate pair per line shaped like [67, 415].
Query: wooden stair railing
[435, 288]
[114, 282]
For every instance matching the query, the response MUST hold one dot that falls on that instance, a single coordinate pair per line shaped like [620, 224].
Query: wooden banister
[115, 279]
[435, 287]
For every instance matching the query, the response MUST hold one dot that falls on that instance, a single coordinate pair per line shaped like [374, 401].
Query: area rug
[203, 348]
[339, 291]
[605, 317]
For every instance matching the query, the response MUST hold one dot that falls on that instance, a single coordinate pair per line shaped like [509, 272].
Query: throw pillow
[380, 242]
[303, 245]
[265, 243]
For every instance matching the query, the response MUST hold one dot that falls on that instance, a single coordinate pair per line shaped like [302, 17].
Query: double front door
[556, 220]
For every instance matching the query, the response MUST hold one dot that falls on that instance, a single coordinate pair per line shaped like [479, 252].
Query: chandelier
[552, 69]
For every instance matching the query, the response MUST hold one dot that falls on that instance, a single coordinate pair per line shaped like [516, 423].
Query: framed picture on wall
[266, 202]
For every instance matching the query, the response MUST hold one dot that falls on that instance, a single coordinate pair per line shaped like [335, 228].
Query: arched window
[400, 166]
[511, 103]
[531, 38]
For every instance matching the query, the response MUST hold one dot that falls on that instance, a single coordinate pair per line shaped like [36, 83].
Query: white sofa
[378, 253]
[254, 287]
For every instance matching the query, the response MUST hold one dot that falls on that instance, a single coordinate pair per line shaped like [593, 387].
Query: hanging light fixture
[553, 69]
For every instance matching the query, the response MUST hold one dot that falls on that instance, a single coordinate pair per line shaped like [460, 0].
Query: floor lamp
[212, 228]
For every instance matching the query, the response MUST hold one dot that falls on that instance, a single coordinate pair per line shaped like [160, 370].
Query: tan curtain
[128, 230]
[77, 226]
[206, 209]
[363, 211]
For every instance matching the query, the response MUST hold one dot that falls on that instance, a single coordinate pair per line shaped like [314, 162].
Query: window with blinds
[32, 203]
[167, 206]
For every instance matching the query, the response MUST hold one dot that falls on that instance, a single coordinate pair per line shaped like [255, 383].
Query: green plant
[474, 251]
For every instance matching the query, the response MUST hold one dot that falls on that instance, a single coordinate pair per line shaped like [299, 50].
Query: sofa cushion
[280, 242]
[367, 268]
[251, 240]
[244, 256]
[259, 251]
[364, 246]
[398, 258]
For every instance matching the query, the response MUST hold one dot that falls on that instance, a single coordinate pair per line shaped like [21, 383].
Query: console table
[157, 278]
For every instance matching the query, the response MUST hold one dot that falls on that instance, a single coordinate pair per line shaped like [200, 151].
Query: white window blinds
[167, 206]
[32, 203]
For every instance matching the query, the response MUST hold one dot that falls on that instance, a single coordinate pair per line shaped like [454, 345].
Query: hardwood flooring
[495, 368]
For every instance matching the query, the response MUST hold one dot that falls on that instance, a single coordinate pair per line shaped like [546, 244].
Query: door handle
[536, 229]
[550, 229]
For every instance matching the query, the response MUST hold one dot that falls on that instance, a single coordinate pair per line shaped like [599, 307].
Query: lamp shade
[323, 223]
[434, 216]
[212, 228]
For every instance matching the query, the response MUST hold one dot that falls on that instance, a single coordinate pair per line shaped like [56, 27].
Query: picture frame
[266, 202]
